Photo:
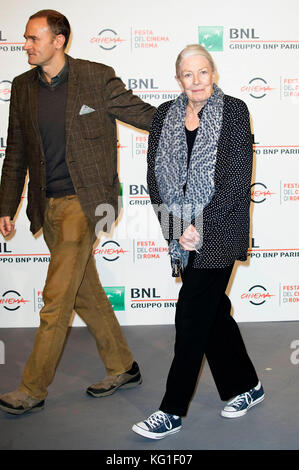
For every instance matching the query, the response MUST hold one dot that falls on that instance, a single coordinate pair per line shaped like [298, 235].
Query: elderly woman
[199, 174]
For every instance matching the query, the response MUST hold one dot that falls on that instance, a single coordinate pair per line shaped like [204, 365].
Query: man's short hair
[57, 22]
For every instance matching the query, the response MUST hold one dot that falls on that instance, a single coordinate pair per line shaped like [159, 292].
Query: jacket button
[43, 188]
[42, 162]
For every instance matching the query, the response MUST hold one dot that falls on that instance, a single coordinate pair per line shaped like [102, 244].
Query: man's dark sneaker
[158, 425]
[239, 405]
[111, 383]
[19, 402]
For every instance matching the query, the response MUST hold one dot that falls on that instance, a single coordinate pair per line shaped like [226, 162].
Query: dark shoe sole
[19, 411]
[94, 393]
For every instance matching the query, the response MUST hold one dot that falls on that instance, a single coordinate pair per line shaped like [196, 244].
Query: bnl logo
[3, 248]
[116, 296]
[211, 37]
[142, 84]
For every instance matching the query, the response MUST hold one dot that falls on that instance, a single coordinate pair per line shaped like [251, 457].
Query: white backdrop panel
[256, 48]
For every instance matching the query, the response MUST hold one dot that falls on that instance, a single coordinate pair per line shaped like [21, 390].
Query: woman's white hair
[193, 49]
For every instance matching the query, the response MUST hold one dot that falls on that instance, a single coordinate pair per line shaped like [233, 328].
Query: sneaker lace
[158, 418]
[239, 400]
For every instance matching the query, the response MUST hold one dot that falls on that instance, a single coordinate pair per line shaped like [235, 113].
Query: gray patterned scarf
[171, 170]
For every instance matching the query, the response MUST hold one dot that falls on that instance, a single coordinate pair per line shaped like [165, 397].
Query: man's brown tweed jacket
[91, 139]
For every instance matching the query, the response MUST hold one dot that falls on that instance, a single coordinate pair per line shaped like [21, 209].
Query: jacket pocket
[90, 125]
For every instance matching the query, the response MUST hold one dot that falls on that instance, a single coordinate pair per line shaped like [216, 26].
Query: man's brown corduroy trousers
[72, 284]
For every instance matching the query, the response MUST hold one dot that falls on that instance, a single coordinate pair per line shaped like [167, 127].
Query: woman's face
[196, 78]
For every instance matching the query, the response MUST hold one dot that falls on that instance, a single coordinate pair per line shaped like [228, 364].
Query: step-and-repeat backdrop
[256, 49]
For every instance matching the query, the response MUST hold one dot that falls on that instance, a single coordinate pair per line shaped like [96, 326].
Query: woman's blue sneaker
[239, 405]
[158, 425]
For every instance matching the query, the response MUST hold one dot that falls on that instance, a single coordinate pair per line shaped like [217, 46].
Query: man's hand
[189, 239]
[6, 226]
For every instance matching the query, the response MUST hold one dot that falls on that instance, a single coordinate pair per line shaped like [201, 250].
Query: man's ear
[60, 40]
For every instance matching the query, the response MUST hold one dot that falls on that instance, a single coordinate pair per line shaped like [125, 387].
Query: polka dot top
[226, 217]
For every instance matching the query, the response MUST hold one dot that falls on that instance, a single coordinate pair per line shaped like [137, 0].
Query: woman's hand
[189, 239]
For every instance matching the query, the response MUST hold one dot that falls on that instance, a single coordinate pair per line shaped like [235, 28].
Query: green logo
[116, 296]
[121, 194]
[211, 37]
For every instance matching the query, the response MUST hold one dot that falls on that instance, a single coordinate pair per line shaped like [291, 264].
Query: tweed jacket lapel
[33, 104]
[72, 98]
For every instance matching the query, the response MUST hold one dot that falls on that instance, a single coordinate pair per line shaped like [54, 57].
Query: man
[62, 129]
